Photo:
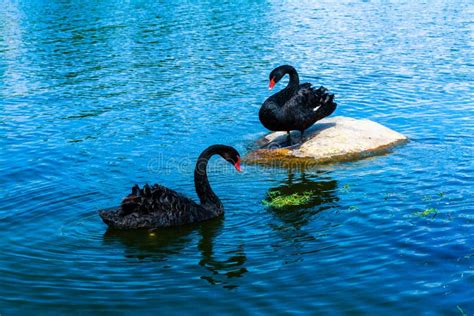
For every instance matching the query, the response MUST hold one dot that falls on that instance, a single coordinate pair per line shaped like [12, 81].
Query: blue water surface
[98, 95]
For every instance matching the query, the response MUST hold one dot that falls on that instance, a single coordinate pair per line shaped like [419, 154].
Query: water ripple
[98, 96]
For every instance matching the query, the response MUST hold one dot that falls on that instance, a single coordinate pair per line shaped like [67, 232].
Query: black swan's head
[278, 73]
[230, 155]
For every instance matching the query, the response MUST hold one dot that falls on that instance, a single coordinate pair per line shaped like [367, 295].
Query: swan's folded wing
[324, 101]
[156, 199]
[310, 103]
[301, 102]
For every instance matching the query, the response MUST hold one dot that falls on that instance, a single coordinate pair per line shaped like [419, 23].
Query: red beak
[272, 84]
[237, 165]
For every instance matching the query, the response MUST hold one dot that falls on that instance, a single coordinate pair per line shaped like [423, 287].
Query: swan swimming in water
[157, 206]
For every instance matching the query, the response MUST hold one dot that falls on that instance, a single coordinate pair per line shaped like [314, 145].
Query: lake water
[98, 95]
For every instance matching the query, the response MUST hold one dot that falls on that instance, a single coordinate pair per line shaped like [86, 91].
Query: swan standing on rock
[157, 206]
[296, 107]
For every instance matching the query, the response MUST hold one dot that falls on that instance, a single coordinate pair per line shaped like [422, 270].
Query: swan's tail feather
[325, 103]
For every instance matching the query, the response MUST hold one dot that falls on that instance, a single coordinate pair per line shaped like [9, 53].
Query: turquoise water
[97, 96]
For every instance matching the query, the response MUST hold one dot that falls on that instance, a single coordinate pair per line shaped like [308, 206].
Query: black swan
[157, 206]
[296, 107]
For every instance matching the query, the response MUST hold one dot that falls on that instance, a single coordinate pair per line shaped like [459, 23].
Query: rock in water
[330, 140]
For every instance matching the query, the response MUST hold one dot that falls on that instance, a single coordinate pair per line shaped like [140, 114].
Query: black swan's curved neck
[294, 82]
[201, 183]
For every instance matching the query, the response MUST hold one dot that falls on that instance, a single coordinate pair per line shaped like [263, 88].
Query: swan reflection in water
[221, 271]
[158, 245]
[298, 233]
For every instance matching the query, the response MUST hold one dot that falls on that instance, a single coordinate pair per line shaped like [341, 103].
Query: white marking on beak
[316, 108]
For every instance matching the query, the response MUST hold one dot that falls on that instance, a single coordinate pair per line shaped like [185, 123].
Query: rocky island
[332, 139]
